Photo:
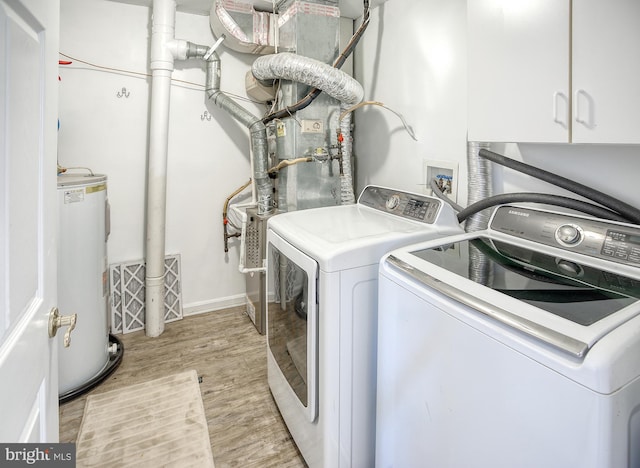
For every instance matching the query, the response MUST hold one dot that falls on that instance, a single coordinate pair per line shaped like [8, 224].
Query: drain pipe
[164, 49]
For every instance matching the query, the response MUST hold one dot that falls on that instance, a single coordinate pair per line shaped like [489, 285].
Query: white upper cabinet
[606, 71]
[554, 71]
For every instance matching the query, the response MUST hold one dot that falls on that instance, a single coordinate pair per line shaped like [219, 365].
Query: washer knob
[392, 202]
[569, 234]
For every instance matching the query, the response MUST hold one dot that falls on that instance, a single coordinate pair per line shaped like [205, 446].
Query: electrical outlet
[445, 174]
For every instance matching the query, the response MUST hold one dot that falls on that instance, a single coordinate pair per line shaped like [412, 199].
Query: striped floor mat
[156, 423]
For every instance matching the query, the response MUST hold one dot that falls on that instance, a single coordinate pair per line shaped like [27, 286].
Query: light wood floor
[229, 355]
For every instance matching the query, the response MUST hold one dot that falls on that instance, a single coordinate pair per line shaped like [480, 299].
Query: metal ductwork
[244, 28]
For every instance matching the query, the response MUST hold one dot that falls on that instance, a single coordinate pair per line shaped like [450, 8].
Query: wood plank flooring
[245, 426]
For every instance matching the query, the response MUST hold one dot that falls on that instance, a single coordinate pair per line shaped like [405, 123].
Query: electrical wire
[288, 162]
[148, 75]
[407, 127]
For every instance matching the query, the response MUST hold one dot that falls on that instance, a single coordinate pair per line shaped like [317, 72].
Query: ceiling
[348, 8]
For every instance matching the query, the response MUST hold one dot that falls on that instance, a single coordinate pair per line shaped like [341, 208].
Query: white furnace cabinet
[554, 71]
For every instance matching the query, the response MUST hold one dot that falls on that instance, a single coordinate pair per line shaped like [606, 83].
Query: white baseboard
[195, 308]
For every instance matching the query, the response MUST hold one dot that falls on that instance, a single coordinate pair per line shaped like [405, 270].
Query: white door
[29, 31]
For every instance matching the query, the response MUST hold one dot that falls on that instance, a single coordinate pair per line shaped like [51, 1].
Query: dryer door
[292, 321]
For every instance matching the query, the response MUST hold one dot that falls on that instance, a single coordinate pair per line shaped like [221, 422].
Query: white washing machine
[322, 315]
[518, 346]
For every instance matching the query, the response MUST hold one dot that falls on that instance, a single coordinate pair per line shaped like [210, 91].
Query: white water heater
[83, 277]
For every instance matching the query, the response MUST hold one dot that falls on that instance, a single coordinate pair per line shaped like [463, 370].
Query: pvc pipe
[163, 48]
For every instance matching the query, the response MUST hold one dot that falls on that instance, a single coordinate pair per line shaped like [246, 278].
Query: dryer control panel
[404, 204]
[597, 238]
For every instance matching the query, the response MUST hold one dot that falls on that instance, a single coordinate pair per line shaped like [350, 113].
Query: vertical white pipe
[162, 35]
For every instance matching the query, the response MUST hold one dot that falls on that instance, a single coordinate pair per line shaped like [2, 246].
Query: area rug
[157, 423]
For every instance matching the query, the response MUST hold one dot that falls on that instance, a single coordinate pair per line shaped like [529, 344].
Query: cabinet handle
[557, 119]
[579, 119]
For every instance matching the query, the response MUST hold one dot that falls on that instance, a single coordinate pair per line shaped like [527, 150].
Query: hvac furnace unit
[82, 281]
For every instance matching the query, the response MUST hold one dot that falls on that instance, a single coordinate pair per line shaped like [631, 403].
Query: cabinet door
[606, 71]
[519, 85]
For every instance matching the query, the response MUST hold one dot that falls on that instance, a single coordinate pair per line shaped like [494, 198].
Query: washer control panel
[597, 238]
[404, 204]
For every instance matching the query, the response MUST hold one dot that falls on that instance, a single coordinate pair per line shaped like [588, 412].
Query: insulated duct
[347, 197]
[479, 185]
[288, 66]
[479, 188]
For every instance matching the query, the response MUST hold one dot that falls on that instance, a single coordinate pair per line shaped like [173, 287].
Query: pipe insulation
[311, 72]
[347, 197]
[629, 212]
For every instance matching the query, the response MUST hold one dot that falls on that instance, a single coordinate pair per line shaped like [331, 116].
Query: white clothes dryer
[517, 346]
[322, 315]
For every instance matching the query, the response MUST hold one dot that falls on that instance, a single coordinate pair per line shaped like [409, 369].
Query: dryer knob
[569, 234]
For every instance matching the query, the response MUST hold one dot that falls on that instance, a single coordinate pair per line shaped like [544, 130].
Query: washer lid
[566, 301]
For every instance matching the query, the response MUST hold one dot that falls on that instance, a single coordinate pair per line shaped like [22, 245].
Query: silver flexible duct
[347, 196]
[264, 189]
[479, 188]
[288, 66]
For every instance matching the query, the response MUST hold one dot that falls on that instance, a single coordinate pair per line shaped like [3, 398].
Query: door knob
[57, 321]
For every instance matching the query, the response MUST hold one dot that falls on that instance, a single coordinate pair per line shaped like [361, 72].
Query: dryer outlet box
[445, 173]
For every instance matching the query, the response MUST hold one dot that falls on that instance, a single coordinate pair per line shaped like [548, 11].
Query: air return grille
[128, 294]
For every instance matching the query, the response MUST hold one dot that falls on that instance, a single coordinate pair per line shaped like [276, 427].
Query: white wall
[208, 159]
[413, 58]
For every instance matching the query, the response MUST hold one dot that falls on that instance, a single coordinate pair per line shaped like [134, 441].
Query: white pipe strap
[288, 66]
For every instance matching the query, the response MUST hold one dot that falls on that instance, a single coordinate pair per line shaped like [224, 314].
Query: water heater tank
[83, 277]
